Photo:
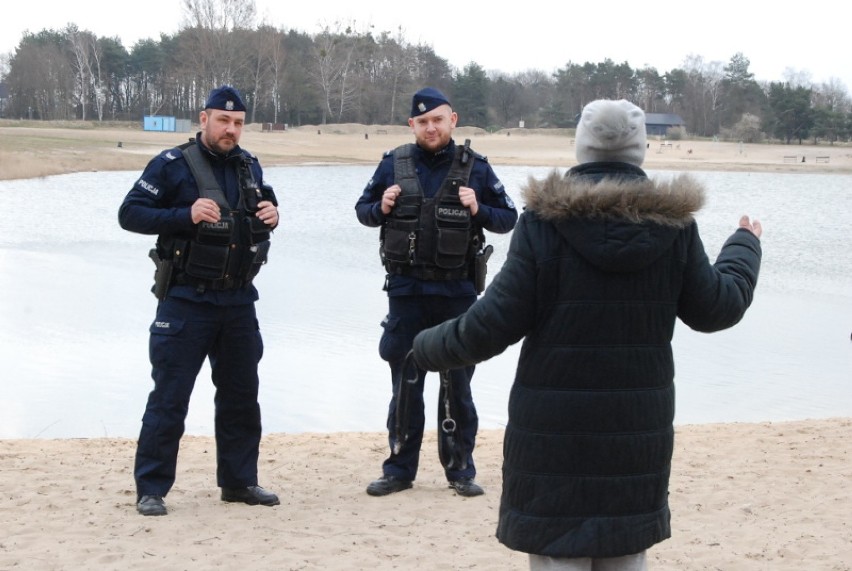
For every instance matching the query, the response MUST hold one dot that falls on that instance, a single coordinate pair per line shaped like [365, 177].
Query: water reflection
[75, 310]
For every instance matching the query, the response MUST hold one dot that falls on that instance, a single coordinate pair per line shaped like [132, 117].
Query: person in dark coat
[601, 264]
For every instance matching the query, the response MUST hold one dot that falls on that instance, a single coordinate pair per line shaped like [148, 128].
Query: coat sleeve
[501, 317]
[715, 297]
[368, 208]
[497, 212]
[150, 207]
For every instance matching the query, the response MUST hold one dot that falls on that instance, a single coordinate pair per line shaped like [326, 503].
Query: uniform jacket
[161, 199]
[601, 264]
[496, 211]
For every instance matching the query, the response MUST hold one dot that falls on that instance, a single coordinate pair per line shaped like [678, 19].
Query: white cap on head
[611, 131]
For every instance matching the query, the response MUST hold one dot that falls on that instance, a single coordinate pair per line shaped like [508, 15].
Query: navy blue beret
[225, 98]
[427, 99]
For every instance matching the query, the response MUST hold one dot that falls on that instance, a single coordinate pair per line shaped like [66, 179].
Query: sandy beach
[743, 497]
[29, 150]
[767, 496]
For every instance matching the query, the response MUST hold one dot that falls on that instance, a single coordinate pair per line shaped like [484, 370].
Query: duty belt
[213, 285]
[430, 273]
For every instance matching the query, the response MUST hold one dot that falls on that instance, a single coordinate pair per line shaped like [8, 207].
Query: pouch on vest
[398, 242]
[216, 233]
[208, 254]
[451, 250]
[206, 261]
[399, 234]
[259, 254]
[258, 228]
[453, 229]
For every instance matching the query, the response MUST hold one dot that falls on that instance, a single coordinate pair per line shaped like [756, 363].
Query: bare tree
[832, 95]
[713, 77]
[504, 95]
[650, 89]
[215, 49]
[4, 64]
[98, 84]
[80, 47]
[264, 41]
[400, 61]
[701, 93]
[225, 15]
[797, 78]
[333, 51]
[537, 88]
[276, 58]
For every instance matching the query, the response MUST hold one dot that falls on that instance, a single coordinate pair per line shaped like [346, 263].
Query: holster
[162, 274]
[480, 267]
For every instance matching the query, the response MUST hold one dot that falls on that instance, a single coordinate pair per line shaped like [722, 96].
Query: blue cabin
[163, 123]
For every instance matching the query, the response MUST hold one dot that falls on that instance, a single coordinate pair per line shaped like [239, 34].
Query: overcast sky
[530, 35]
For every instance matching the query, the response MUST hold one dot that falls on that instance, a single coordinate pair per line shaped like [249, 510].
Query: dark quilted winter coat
[601, 264]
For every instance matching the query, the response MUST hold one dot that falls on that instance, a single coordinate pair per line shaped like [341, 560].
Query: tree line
[345, 75]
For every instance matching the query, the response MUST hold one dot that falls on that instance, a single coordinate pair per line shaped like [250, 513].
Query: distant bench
[790, 159]
[381, 131]
[823, 159]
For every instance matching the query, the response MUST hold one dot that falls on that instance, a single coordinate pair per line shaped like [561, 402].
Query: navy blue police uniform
[417, 302]
[206, 310]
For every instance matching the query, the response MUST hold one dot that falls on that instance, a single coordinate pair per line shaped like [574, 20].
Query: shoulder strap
[404, 171]
[462, 163]
[208, 187]
[459, 173]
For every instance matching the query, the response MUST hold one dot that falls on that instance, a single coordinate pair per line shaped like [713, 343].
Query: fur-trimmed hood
[613, 214]
[629, 195]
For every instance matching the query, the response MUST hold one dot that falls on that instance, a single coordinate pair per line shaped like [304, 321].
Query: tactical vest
[429, 238]
[226, 254]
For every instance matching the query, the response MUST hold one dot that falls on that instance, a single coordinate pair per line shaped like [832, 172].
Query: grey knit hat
[611, 131]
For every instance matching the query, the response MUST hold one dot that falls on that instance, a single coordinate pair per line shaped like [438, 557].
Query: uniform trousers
[408, 315]
[183, 335]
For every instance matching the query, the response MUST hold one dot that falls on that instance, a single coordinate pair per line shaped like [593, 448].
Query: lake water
[75, 308]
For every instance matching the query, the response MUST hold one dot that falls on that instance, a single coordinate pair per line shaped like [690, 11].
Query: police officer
[432, 199]
[213, 214]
